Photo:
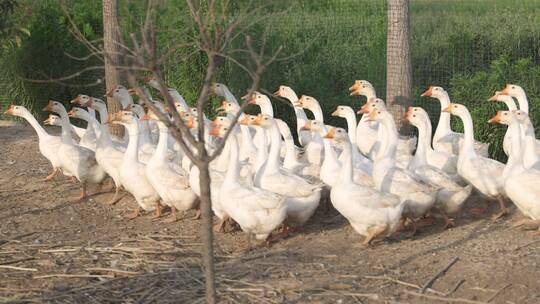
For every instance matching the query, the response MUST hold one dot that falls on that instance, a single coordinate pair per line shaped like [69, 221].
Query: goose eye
[363, 86]
[414, 116]
[415, 109]
[225, 129]
[513, 87]
[505, 114]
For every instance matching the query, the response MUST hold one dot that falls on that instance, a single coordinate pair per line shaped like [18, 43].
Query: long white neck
[346, 173]
[443, 127]
[35, 124]
[389, 144]
[92, 122]
[424, 138]
[515, 160]
[317, 111]
[104, 138]
[132, 152]
[330, 155]
[262, 152]
[508, 101]
[66, 128]
[301, 117]
[229, 96]
[522, 101]
[290, 151]
[351, 126]
[266, 108]
[468, 133]
[275, 148]
[530, 153]
[233, 170]
[370, 94]
[161, 150]
[102, 110]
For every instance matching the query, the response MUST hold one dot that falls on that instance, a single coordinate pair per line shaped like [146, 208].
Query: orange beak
[300, 102]
[372, 115]
[428, 92]
[355, 91]
[331, 133]
[306, 127]
[223, 106]
[215, 122]
[506, 90]
[145, 117]
[132, 91]
[335, 113]
[110, 92]
[147, 79]
[189, 123]
[49, 106]
[356, 85]
[9, 110]
[494, 97]
[215, 131]
[495, 119]
[364, 109]
[47, 121]
[408, 114]
[447, 109]
[245, 121]
[167, 110]
[258, 120]
[72, 113]
[278, 92]
[77, 100]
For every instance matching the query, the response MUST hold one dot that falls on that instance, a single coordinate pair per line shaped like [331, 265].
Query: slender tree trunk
[207, 232]
[398, 62]
[110, 39]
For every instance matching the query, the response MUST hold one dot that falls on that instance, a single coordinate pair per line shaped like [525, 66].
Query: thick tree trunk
[110, 39]
[207, 232]
[398, 62]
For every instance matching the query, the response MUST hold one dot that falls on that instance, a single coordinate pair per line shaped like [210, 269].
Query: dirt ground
[53, 250]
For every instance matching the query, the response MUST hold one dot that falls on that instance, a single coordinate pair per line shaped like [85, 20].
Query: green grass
[470, 47]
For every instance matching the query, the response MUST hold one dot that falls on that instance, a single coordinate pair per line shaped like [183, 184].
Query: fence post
[398, 62]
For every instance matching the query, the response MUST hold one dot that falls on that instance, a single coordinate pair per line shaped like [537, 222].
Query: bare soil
[56, 250]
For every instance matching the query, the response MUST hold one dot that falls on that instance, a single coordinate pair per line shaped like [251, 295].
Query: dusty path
[52, 250]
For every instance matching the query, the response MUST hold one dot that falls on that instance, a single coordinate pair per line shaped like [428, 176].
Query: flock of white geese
[263, 181]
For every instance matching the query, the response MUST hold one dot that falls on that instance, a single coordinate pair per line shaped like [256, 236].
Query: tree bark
[398, 62]
[110, 46]
[207, 232]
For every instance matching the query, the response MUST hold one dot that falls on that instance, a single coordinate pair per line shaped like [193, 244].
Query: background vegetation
[470, 47]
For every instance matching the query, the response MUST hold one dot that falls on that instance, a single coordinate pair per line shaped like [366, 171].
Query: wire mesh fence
[469, 47]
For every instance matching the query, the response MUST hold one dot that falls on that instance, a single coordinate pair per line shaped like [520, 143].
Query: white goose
[451, 195]
[257, 211]
[133, 172]
[120, 93]
[301, 118]
[370, 212]
[531, 151]
[522, 186]
[511, 105]
[359, 160]
[302, 197]
[75, 160]
[445, 139]
[48, 144]
[418, 196]
[481, 172]
[169, 180]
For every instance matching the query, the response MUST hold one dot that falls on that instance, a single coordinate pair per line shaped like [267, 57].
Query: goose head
[54, 106]
[415, 116]
[379, 115]
[522, 116]
[503, 117]
[343, 111]
[123, 117]
[264, 121]
[152, 81]
[77, 112]
[228, 107]
[53, 120]
[136, 108]
[83, 100]
[248, 120]
[307, 102]
[256, 98]
[219, 89]
[313, 126]
[498, 96]
[220, 120]
[434, 91]
[15, 110]
[371, 105]
[286, 92]
[362, 88]
[337, 134]
[456, 109]
[512, 90]
[219, 130]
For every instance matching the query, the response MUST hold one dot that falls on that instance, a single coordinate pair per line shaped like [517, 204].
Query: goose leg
[83, 192]
[373, 233]
[249, 247]
[173, 217]
[197, 214]
[479, 211]
[414, 228]
[158, 211]
[504, 209]
[527, 224]
[51, 176]
[448, 222]
[219, 226]
[115, 198]
[107, 186]
[136, 213]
